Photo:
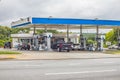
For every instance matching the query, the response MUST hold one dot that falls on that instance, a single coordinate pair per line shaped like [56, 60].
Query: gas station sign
[21, 22]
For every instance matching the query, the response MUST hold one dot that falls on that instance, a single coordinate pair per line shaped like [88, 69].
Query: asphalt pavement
[79, 69]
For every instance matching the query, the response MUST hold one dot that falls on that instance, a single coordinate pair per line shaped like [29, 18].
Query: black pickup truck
[61, 46]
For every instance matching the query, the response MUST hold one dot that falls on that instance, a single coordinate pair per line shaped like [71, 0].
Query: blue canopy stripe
[69, 21]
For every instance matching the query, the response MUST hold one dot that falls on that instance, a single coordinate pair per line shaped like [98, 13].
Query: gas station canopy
[66, 23]
[62, 22]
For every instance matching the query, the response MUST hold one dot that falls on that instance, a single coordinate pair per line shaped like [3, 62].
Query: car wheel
[68, 50]
[59, 49]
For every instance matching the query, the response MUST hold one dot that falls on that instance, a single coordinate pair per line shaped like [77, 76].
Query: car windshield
[61, 41]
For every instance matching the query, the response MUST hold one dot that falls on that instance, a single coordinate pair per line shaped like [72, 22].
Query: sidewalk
[42, 55]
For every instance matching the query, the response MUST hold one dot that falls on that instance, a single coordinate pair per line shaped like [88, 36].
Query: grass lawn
[112, 51]
[9, 52]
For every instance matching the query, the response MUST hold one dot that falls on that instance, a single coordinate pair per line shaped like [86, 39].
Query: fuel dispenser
[82, 43]
[42, 42]
[48, 37]
[35, 42]
[99, 44]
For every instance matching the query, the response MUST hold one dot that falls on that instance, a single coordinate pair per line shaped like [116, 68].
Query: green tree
[90, 41]
[4, 35]
[112, 36]
[17, 30]
[51, 31]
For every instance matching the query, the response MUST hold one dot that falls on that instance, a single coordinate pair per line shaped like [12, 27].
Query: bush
[8, 52]
[90, 42]
[105, 46]
[1, 43]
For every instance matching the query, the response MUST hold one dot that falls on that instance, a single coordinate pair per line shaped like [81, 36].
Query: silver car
[113, 47]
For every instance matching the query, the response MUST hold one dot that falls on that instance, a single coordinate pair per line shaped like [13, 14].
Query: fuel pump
[82, 43]
[82, 40]
[99, 44]
[35, 42]
[48, 40]
[42, 42]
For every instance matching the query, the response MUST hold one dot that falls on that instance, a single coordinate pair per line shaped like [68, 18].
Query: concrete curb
[62, 58]
[56, 57]
[7, 58]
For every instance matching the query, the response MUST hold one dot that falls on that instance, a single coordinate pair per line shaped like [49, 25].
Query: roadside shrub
[90, 41]
[8, 52]
[1, 43]
[105, 46]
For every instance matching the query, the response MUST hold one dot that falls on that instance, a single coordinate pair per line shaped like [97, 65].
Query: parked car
[75, 46]
[113, 47]
[7, 45]
[23, 47]
[61, 46]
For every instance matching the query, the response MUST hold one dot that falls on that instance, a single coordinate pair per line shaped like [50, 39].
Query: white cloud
[11, 10]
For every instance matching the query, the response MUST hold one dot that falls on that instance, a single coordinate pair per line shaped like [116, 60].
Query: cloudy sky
[12, 10]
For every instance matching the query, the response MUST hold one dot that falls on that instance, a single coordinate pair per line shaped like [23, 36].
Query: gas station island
[48, 41]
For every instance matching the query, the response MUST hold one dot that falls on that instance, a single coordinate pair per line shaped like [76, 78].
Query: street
[72, 69]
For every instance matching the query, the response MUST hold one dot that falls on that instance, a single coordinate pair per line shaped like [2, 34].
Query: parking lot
[49, 55]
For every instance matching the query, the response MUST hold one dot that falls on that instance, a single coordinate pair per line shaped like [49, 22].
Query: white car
[113, 47]
[75, 47]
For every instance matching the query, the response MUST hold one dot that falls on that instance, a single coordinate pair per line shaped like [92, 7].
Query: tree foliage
[17, 30]
[112, 36]
[5, 33]
[90, 41]
[51, 31]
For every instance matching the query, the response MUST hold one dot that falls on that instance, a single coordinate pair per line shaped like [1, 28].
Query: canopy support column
[81, 35]
[35, 39]
[34, 31]
[97, 36]
[45, 28]
[68, 33]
